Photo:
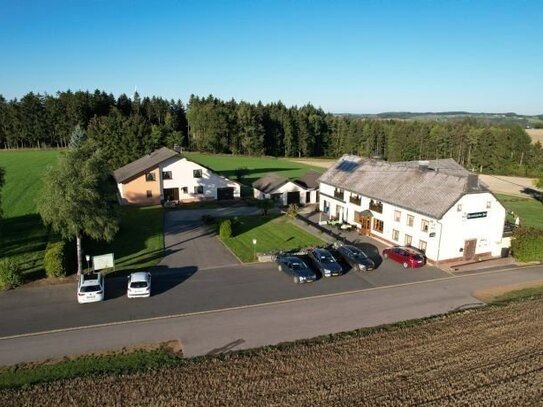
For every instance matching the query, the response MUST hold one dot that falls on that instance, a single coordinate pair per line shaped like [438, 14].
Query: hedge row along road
[477, 357]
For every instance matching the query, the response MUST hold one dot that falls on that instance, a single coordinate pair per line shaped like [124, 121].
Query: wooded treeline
[127, 128]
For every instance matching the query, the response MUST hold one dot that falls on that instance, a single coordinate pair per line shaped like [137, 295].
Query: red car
[408, 256]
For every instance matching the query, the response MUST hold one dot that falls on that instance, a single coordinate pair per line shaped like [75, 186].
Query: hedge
[57, 260]
[225, 229]
[527, 244]
[10, 274]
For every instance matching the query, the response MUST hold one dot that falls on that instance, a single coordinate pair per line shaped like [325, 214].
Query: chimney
[473, 182]
[423, 165]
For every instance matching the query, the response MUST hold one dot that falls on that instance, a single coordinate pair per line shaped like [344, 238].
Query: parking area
[197, 274]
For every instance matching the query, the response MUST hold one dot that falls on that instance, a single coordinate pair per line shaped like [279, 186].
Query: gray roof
[432, 191]
[143, 164]
[269, 183]
[310, 180]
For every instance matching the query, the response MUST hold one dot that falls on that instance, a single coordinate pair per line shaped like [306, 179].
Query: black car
[325, 262]
[296, 268]
[356, 257]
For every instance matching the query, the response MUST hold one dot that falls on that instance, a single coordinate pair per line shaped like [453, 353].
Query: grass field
[22, 234]
[258, 166]
[529, 210]
[272, 234]
[138, 244]
[488, 356]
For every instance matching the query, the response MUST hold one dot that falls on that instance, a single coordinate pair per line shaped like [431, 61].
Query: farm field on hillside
[482, 357]
[536, 135]
[529, 210]
[272, 234]
[257, 166]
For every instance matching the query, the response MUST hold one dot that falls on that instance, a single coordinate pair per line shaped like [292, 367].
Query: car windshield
[90, 288]
[418, 257]
[138, 284]
[326, 259]
[359, 254]
[297, 265]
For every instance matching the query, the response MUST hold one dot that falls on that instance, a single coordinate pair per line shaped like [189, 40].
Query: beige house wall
[135, 190]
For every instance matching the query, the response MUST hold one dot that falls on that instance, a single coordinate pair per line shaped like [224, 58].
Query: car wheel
[405, 265]
[385, 255]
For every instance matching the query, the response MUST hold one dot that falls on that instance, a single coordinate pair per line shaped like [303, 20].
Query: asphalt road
[256, 325]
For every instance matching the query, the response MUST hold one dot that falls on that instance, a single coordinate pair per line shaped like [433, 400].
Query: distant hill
[503, 118]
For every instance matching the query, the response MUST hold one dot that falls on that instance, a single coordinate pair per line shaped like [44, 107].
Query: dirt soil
[536, 135]
[490, 294]
[490, 356]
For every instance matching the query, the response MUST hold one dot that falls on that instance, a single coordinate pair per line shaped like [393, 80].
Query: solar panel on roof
[347, 166]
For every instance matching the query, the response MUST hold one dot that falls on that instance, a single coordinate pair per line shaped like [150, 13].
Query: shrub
[225, 230]
[10, 274]
[527, 244]
[56, 261]
[292, 211]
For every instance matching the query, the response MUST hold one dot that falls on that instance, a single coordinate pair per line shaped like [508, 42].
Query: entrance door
[225, 193]
[339, 212]
[293, 198]
[171, 194]
[308, 197]
[469, 249]
[365, 225]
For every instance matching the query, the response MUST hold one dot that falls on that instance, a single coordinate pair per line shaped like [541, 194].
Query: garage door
[293, 198]
[225, 193]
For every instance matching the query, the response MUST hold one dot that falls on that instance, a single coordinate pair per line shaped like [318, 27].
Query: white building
[436, 206]
[164, 175]
[281, 190]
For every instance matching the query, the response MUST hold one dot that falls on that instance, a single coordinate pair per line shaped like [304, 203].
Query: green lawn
[258, 166]
[272, 233]
[140, 241]
[138, 244]
[529, 210]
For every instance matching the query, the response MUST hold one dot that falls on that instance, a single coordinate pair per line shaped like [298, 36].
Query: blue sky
[345, 56]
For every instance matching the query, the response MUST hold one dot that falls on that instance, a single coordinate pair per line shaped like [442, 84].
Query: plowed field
[484, 357]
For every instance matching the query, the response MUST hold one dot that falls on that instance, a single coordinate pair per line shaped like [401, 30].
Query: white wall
[183, 176]
[284, 190]
[455, 225]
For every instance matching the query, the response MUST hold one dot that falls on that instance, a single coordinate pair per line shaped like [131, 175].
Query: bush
[292, 211]
[10, 274]
[527, 244]
[56, 261]
[225, 230]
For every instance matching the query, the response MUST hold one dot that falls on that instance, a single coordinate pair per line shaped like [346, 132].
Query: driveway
[191, 243]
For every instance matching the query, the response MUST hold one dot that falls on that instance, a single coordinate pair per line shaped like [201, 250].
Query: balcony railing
[355, 200]
[376, 206]
[339, 195]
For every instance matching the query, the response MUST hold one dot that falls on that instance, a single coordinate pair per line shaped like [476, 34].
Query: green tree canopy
[78, 198]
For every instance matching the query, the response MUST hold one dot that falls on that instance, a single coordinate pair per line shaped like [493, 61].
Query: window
[150, 176]
[149, 194]
[410, 220]
[339, 194]
[199, 189]
[185, 190]
[395, 235]
[459, 208]
[424, 225]
[376, 206]
[166, 175]
[422, 246]
[397, 216]
[197, 173]
[407, 240]
[378, 225]
[488, 205]
[355, 199]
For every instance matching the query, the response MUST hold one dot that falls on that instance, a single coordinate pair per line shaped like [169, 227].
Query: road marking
[260, 305]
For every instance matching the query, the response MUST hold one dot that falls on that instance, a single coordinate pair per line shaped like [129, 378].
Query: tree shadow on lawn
[243, 224]
[163, 279]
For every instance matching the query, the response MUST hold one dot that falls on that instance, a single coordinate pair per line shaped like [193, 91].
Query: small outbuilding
[284, 192]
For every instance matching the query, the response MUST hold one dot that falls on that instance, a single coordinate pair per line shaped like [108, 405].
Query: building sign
[476, 215]
[432, 234]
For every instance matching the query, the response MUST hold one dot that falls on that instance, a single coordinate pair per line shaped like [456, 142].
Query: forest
[128, 127]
